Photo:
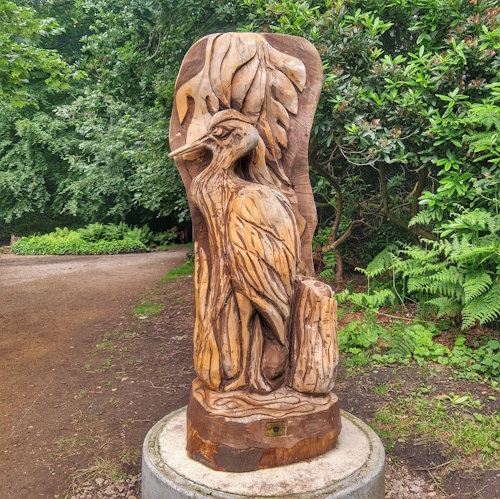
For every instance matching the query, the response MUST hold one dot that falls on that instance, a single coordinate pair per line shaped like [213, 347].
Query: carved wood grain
[295, 161]
[314, 352]
[229, 438]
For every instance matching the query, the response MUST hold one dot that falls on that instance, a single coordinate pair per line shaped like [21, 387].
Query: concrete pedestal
[354, 469]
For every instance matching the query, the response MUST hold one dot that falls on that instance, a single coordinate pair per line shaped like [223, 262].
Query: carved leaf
[242, 80]
[244, 72]
[199, 89]
[292, 67]
[239, 53]
[285, 92]
[219, 51]
[254, 99]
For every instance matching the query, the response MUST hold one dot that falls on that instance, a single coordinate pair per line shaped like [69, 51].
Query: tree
[21, 57]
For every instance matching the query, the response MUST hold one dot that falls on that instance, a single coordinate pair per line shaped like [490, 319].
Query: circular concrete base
[354, 469]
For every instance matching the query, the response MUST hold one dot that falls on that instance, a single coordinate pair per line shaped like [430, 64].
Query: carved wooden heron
[255, 247]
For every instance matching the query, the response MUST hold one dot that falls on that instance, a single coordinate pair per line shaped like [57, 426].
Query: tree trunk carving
[265, 333]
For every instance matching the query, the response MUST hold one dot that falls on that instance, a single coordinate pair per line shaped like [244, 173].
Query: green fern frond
[417, 284]
[376, 299]
[402, 346]
[418, 268]
[494, 224]
[342, 297]
[383, 261]
[485, 308]
[450, 275]
[471, 254]
[444, 305]
[421, 254]
[328, 274]
[476, 283]
[424, 217]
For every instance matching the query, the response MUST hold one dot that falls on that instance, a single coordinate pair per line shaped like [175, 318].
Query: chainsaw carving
[265, 344]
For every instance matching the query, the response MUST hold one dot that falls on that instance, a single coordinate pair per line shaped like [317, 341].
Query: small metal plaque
[275, 429]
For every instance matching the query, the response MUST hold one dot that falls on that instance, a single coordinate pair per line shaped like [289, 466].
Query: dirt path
[52, 312]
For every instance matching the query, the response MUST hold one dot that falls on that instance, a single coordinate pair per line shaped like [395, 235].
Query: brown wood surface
[314, 352]
[244, 105]
[265, 348]
[294, 161]
[229, 439]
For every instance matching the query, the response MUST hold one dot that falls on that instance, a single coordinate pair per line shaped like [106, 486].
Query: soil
[84, 378]
[55, 417]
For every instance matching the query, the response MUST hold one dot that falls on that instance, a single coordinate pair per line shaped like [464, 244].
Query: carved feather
[265, 248]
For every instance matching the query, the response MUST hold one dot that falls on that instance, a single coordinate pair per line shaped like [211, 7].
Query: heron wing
[264, 248]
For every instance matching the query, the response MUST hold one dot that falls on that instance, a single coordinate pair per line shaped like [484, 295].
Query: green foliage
[482, 358]
[406, 342]
[358, 335]
[21, 56]
[375, 299]
[457, 274]
[72, 244]
[475, 433]
[402, 343]
[329, 259]
[411, 93]
[93, 239]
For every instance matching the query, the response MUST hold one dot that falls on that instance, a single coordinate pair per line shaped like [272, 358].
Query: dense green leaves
[21, 56]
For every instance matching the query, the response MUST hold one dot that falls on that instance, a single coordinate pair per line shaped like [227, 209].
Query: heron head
[229, 134]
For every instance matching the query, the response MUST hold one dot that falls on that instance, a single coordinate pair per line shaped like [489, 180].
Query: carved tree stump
[240, 431]
[314, 352]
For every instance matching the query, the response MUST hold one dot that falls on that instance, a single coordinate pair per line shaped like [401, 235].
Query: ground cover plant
[94, 239]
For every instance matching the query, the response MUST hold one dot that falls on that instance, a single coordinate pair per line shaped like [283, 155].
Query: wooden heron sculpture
[265, 347]
[252, 230]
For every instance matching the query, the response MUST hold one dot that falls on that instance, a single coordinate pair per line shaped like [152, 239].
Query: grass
[107, 468]
[185, 269]
[462, 431]
[148, 308]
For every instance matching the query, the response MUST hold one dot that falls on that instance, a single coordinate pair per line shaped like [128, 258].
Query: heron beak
[196, 145]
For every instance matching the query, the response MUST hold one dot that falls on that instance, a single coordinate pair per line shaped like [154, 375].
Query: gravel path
[401, 483]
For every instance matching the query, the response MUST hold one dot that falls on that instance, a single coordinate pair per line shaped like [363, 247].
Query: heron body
[244, 284]
[255, 246]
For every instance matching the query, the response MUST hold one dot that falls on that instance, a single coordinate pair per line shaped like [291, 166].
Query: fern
[330, 259]
[476, 283]
[484, 308]
[375, 300]
[424, 217]
[402, 346]
[328, 274]
[382, 262]
[444, 305]
[342, 297]
[448, 282]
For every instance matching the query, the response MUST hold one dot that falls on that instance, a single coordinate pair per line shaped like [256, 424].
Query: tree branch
[419, 187]
[415, 230]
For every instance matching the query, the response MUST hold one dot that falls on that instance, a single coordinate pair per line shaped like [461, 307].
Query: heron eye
[221, 132]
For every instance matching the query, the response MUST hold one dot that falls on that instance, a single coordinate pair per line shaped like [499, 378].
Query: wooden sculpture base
[237, 431]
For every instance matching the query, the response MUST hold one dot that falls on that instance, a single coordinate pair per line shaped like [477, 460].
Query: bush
[51, 244]
[94, 239]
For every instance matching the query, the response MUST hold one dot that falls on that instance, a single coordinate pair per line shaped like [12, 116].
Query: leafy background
[404, 147]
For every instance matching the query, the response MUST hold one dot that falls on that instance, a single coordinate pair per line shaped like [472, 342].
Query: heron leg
[252, 341]
[246, 311]
[256, 380]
